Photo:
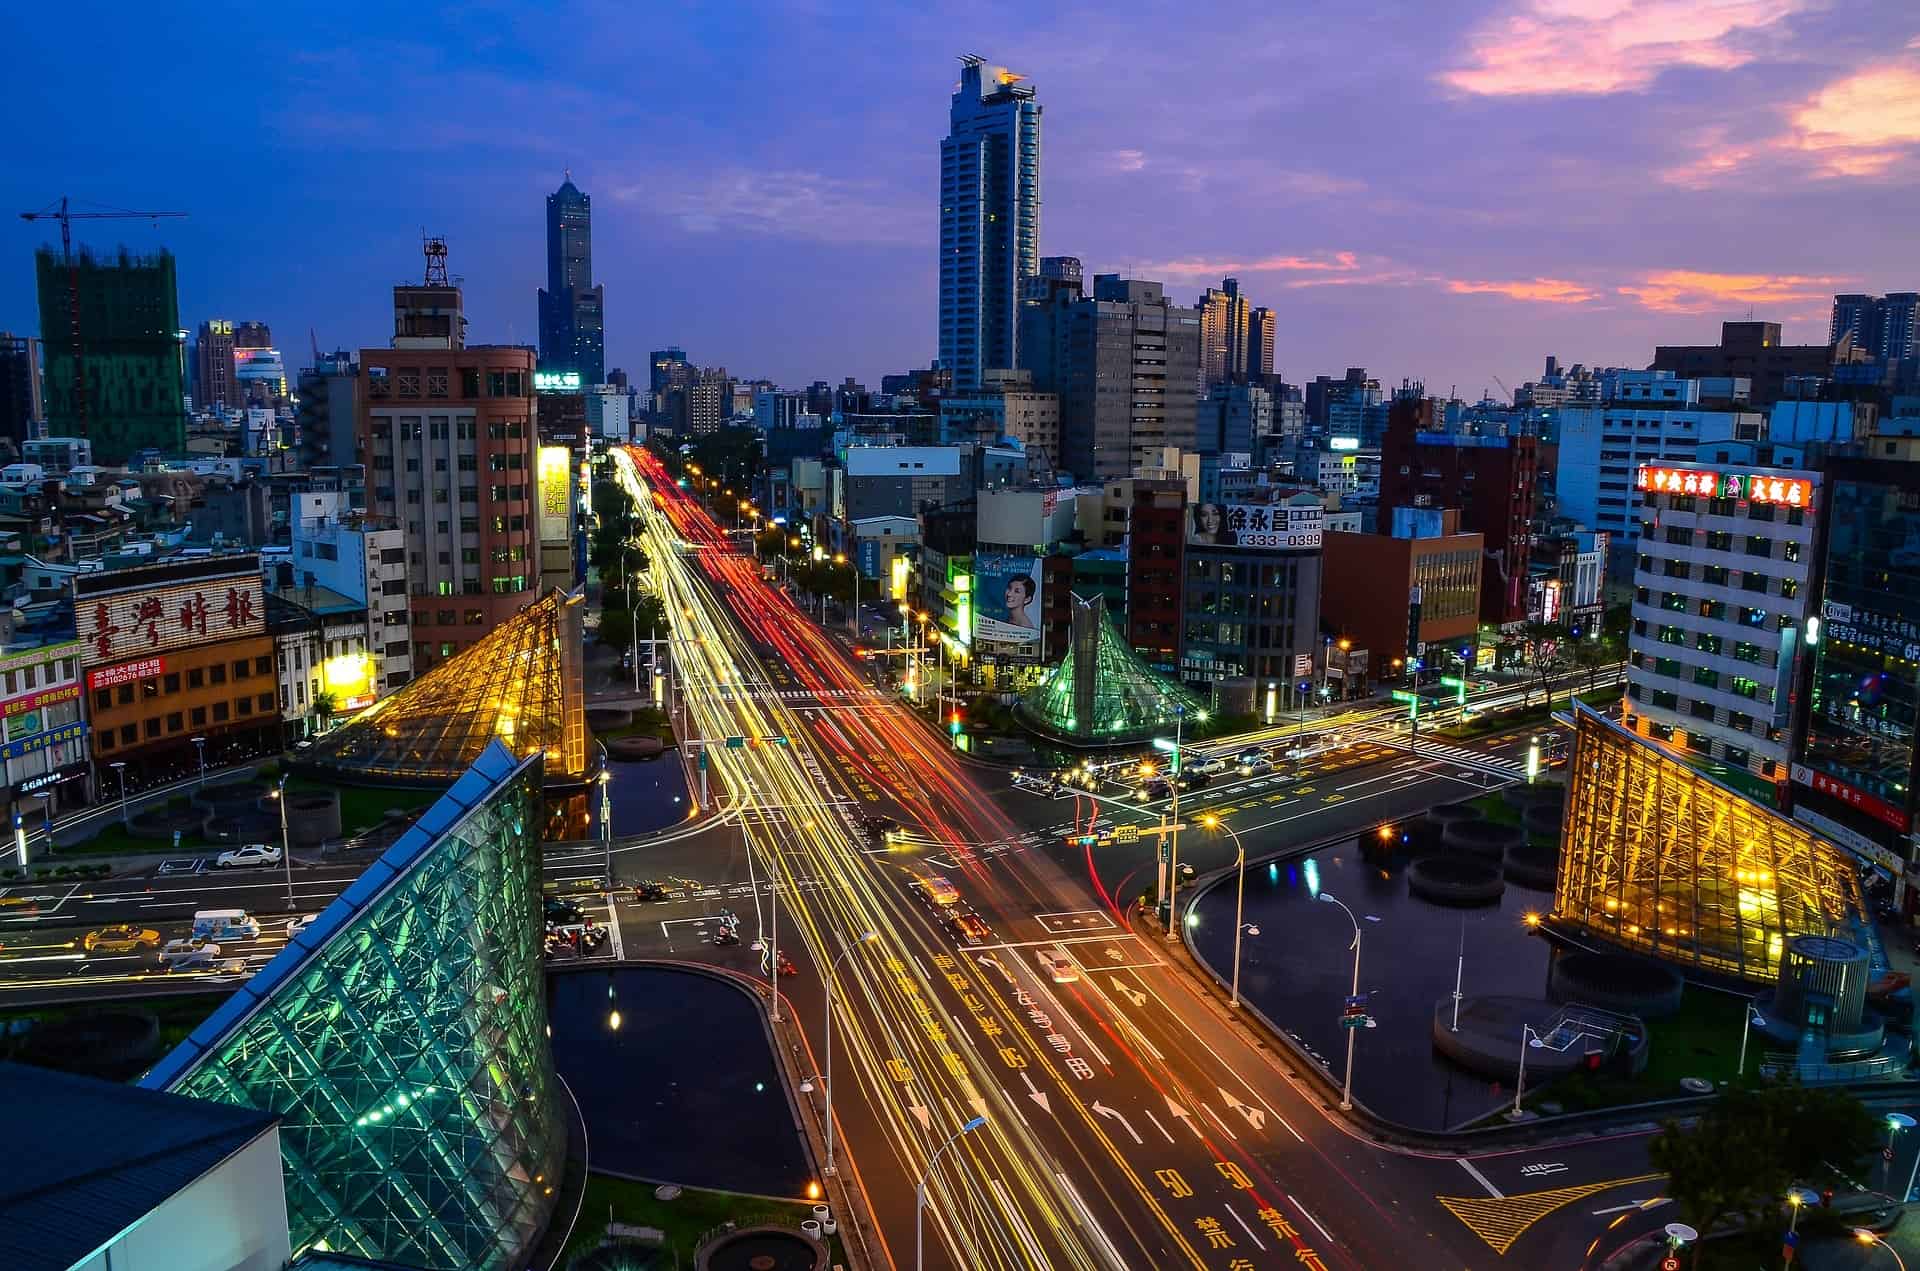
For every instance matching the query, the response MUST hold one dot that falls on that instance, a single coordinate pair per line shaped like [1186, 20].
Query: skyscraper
[128, 350]
[572, 307]
[1883, 326]
[989, 218]
[21, 408]
[1260, 332]
[213, 365]
[1223, 334]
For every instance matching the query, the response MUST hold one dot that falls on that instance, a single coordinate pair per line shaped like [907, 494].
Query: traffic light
[953, 725]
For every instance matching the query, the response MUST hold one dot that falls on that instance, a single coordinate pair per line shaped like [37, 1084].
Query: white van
[225, 924]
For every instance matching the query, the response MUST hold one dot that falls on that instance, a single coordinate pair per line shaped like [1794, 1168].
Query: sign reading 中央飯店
[1755, 487]
[133, 624]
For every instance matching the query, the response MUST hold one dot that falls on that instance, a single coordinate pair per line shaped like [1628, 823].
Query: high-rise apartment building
[1881, 326]
[572, 306]
[213, 365]
[327, 414]
[1260, 337]
[1124, 364]
[1721, 596]
[1223, 334]
[126, 345]
[989, 218]
[21, 405]
[448, 433]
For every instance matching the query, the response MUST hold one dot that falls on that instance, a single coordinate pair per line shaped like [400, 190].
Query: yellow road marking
[1503, 1220]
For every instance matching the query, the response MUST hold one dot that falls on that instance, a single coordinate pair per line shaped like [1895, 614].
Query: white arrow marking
[987, 959]
[1184, 1115]
[1255, 1116]
[1101, 1109]
[1132, 995]
[1037, 1095]
[922, 1115]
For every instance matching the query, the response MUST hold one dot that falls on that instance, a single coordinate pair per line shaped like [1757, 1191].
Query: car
[1055, 962]
[185, 955]
[228, 966]
[1195, 780]
[1157, 788]
[563, 912]
[936, 891]
[650, 893]
[972, 929]
[1212, 767]
[880, 830]
[121, 938]
[1250, 754]
[253, 855]
[1256, 767]
[299, 923]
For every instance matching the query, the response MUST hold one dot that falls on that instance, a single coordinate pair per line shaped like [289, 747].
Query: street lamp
[1173, 850]
[606, 826]
[1749, 1017]
[1213, 822]
[120, 772]
[1528, 1039]
[286, 852]
[866, 937]
[920, 1189]
[200, 746]
[1896, 1122]
[1866, 1237]
[1346, 1089]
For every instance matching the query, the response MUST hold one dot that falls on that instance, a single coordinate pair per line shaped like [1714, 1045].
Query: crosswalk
[1446, 752]
[762, 694]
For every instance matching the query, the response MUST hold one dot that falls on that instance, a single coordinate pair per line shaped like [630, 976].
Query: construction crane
[63, 213]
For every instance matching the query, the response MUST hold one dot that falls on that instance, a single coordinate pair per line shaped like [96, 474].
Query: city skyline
[1461, 250]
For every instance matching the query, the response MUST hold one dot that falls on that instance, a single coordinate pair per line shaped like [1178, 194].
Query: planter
[1455, 880]
[1481, 838]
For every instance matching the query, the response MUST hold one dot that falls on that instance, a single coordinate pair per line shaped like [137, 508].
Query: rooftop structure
[520, 685]
[401, 1039]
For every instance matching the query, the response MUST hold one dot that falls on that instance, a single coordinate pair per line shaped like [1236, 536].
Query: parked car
[1058, 966]
[253, 855]
[121, 938]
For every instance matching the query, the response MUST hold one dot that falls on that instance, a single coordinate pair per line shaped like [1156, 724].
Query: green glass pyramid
[1102, 693]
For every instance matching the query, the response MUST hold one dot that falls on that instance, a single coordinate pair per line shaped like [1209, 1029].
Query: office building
[447, 429]
[1853, 775]
[125, 1178]
[259, 376]
[1005, 406]
[775, 408]
[1250, 597]
[1663, 861]
[365, 560]
[171, 652]
[402, 1040]
[1155, 532]
[1721, 595]
[213, 386]
[129, 395]
[1235, 419]
[327, 414]
[1261, 329]
[1341, 407]
[1751, 351]
[989, 218]
[1492, 480]
[22, 407]
[696, 401]
[1881, 326]
[1394, 595]
[572, 306]
[1651, 417]
[1124, 364]
[608, 412]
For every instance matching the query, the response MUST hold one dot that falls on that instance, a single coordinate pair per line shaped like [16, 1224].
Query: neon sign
[1756, 487]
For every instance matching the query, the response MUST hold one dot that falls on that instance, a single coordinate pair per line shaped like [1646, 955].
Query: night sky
[1440, 189]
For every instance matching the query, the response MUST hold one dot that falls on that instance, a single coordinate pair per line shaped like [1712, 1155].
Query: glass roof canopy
[1102, 693]
[521, 685]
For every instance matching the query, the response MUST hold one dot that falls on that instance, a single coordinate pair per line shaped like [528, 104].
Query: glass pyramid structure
[521, 685]
[401, 1039]
[1102, 693]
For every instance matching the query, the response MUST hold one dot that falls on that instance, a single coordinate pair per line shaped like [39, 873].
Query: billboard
[1273, 526]
[556, 476]
[1006, 596]
[151, 620]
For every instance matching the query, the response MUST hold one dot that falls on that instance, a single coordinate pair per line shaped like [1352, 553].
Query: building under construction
[119, 317]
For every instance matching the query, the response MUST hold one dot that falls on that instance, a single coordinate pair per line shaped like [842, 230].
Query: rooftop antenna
[436, 253]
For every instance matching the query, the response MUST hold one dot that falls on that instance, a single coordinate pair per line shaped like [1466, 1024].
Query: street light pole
[920, 1190]
[866, 937]
[120, 772]
[1346, 1088]
[286, 850]
[200, 746]
[1173, 849]
[1528, 1038]
[1746, 1026]
[606, 827]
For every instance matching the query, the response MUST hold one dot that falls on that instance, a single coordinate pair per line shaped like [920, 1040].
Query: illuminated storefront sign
[1756, 487]
[1343, 443]
[40, 741]
[556, 477]
[556, 381]
[45, 697]
[127, 625]
[1877, 808]
[125, 673]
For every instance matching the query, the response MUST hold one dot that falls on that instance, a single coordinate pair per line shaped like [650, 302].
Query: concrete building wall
[232, 1218]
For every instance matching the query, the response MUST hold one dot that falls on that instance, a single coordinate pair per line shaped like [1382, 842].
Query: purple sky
[1442, 190]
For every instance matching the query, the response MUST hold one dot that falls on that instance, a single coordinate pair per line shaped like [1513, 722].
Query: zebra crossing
[762, 694]
[1478, 761]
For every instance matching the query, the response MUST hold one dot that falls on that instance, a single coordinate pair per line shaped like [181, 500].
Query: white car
[253, 854]
[1058, 965]
[187, 955]
[299, 923]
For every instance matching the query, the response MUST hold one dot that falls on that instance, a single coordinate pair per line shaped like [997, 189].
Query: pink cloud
[1697, 291]
[1553, 291]
[1205, 267]
[1555, 47]
[1861, 124]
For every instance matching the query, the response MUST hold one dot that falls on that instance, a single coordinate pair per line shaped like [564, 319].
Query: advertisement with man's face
[1006, 598]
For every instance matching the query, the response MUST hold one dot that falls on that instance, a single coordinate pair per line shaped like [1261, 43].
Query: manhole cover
[1696, 1085]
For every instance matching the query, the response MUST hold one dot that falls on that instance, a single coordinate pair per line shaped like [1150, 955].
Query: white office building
[1720, 604]
[1650, 418]
[364, 559]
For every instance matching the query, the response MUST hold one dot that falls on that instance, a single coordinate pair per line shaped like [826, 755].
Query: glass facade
[521, 686]
[1101, 693]
[402, 1039]
[1664, 861]
[1866, 682]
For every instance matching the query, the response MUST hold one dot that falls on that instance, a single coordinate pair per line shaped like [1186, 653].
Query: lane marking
[1258, 1243]
[1308, 1215]
[1480, 1178]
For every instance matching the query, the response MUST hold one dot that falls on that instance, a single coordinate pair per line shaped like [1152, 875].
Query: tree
[324, 706]
[616, 628]
[1753, 1143]
[1542, 664]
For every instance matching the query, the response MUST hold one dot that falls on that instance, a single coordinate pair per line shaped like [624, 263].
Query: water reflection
[1297, 972]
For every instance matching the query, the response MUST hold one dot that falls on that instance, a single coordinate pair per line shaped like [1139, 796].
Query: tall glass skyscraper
[402, 1040]
[989, 218]
[572, 306]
